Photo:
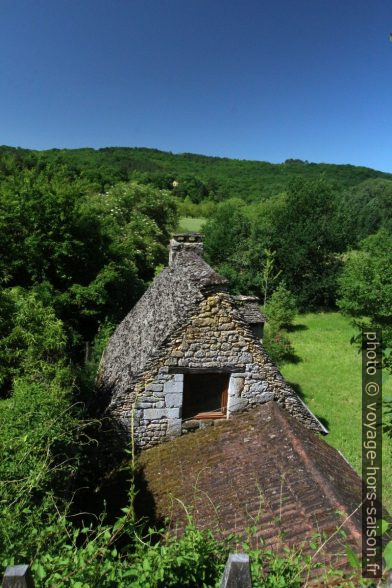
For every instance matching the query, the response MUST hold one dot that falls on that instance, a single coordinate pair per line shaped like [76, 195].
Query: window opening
[205, 396]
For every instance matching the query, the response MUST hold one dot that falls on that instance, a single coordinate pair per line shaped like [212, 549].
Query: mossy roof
[261, 470]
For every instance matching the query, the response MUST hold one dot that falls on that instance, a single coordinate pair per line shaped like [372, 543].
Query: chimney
[185, 242]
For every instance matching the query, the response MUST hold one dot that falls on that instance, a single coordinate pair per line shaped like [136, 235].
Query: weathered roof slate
[260, 469]
[166, 304]
[249, 306]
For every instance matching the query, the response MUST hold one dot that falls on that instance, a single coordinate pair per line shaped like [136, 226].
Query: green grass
[188, 223]
[329, 377]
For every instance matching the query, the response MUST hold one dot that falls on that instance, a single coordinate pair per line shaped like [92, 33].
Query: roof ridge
[318, 474]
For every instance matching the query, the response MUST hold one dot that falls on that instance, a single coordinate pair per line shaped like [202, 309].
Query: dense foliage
[82, 234]
[280, 311]
[367, 208]
[196, 176]
[366, 286]
[299, 236]
[296, 236]
[89, 254]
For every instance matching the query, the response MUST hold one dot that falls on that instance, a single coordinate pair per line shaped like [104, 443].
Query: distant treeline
[63, 220]
[197, 176]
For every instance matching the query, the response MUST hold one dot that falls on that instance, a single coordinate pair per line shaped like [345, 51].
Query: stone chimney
[185, 242]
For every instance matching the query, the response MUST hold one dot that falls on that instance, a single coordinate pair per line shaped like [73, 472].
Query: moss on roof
[261, 469]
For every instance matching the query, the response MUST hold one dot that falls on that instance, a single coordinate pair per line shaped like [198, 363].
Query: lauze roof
[166, 304]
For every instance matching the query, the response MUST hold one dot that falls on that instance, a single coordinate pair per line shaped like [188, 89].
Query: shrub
[34, 338]
[38, 460]
[280, 309]
[278, 346]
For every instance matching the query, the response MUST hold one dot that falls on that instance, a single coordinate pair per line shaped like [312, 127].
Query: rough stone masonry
[187, 323]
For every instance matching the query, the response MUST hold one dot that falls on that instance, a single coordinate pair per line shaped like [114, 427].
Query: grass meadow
[189, 224]
[328, 376]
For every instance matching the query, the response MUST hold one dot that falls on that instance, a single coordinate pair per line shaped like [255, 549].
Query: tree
[33, 339]
[280, 308]
[308, 241]
[226, 232]
[192, 187]
[93, 254]
[365, 209]
[268, 274]
[365, 283]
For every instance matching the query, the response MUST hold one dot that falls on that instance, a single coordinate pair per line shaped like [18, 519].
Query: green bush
[365, 287]
[39, 452]
[205, 208]
[278, 346]
[194, 559]
[34, 339]
[280, 309]
[94, 253]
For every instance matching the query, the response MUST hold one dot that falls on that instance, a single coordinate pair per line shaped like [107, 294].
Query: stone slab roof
[259, 469]
[249, 306]
[167, 303]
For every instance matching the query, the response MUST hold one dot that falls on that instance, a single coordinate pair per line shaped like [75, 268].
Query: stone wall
[215, 338]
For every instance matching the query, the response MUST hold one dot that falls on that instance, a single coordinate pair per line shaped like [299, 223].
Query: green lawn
[188, 223]
[329, 377]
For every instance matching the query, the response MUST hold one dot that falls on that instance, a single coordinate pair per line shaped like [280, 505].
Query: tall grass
[328, 375]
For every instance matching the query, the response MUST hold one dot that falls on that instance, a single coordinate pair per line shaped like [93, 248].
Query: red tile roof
[261, 470]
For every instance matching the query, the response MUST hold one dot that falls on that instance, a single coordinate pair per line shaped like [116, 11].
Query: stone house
[189, 355]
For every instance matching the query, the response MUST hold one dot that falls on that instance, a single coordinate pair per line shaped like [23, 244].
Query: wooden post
[17, 577]
[237, 572]
[389, 580]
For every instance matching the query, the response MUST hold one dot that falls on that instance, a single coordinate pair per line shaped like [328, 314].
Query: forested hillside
[82, 234]
[197, 176]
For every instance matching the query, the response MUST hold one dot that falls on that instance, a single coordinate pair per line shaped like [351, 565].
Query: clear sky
[250, 79]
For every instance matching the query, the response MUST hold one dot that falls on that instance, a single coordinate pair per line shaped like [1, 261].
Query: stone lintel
[206, 370]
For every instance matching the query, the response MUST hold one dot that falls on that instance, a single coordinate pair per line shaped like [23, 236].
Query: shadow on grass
[292, 358]
[295, 328]
[297, 388]
[323, 421]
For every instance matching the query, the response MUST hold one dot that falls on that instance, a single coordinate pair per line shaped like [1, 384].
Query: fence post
[237, 572]
[17, 577]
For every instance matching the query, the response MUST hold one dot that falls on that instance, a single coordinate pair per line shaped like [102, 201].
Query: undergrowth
[43, 447]
[53, 514]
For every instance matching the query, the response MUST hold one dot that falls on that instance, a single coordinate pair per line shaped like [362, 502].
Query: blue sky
[250, 79]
